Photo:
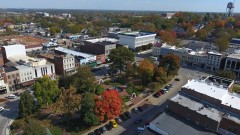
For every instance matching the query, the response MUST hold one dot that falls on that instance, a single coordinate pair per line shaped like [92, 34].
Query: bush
[137, 90]
[99, 90]
[56, 131]
[125, 99]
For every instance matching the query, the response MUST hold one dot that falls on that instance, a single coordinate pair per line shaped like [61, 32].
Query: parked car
[119, 89]
[128, 114]
[108, 127]
[11, 96]
[118, 120]
[103, 129]
[97, 131]
[140, 108]
[138, 120]
[177, 79]
[92, 133]
[140, 129]
[114, 123]
[123, 117]
[1, 108]
[156, 95]
[135, 110]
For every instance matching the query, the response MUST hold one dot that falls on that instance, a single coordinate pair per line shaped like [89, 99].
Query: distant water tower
[230, 8]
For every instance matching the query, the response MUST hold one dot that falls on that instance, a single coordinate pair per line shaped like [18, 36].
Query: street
[157, 104]
[8, 114]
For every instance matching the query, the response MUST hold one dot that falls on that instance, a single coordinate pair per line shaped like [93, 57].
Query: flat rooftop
[206, 88]
[74, 53]
[176, 125]
[137, 34]
[234, 56]
[217, 90]
[198, 107]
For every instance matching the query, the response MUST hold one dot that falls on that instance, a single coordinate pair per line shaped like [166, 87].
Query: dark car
[135, 110]
[103, 129]
[177, 79]
[140, 108]
[108, 127]
[91, 133]
[123, 117]
[118, 120]
[128, 114]
[156, 95]
[138, 120]
[97, 131]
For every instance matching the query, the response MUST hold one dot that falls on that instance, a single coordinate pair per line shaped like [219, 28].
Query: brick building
[209, 104]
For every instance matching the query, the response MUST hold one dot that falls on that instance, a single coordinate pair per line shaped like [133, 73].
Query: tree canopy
[46, 90]
[108, 105]
[146, 70]
[171, 63]
[120, 57]
[26, 104]
[222, 44]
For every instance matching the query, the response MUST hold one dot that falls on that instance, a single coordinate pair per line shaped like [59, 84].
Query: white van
[140, 129]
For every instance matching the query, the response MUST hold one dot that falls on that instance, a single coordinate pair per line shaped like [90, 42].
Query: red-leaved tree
[108, 105]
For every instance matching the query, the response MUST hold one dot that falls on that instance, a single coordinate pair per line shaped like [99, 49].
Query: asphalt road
[157, 104]
[9, 113]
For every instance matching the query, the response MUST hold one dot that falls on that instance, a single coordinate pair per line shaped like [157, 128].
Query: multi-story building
[136, 39]
[101, 49]
[210, 104]
[3, 86]
[26, 74]
[64, 64]
[83, 58]
[233, 63]
[16, 54]
[12, 78]
[202, 59]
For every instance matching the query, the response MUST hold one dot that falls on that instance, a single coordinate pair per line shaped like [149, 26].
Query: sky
[152, 5]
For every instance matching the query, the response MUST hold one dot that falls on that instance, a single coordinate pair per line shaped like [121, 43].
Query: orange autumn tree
[146, 70]
[108, 105]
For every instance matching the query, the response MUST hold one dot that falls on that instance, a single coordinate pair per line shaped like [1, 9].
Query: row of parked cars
[118, 120]
[163, 91]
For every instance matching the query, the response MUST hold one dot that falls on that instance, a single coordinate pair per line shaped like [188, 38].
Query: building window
[17, 74]
[9, 76]
[10, 82]
[12, 75]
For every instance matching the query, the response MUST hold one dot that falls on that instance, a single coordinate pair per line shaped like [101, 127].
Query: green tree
[26, 105]
[46, 90]
[99, 89]
[87, 110]
[227, 74]
[222, 44]
[154, 86]
[120, 57]
[84, 80]
[171, 63]
[68, 102]
[34, 127]
[202, 34]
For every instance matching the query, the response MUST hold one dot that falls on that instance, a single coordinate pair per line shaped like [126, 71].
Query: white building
[233, 63]
[17, 55]
[136, 39]
[26, 73]
[200, 59]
